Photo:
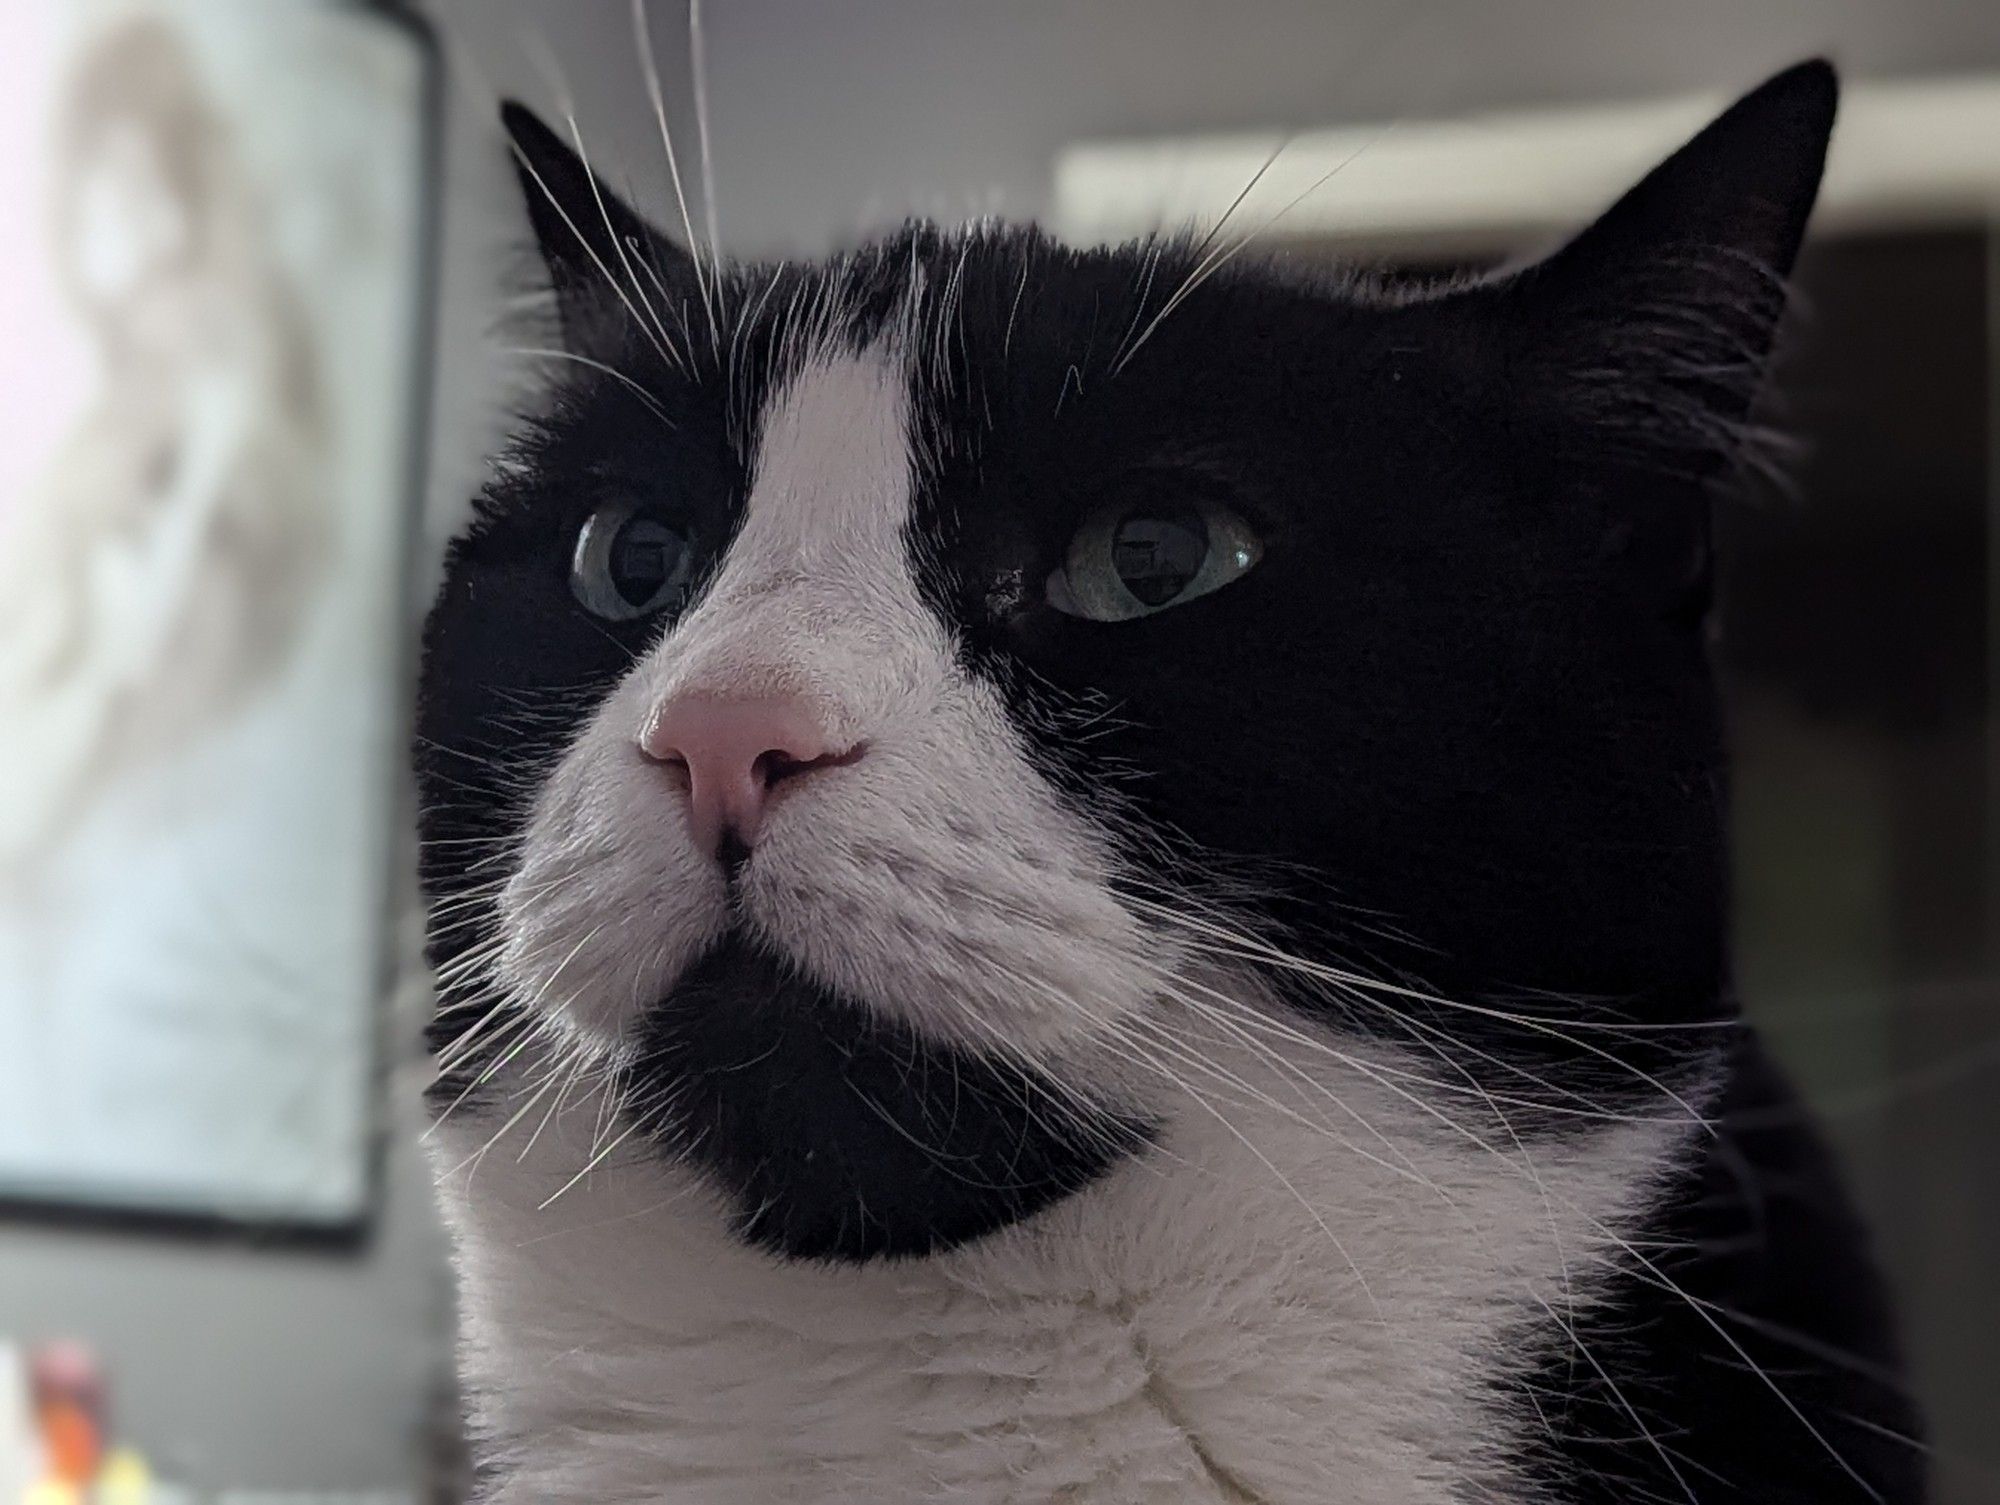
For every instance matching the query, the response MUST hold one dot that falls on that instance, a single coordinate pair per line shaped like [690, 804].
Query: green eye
[1135, 561]
[630, 563]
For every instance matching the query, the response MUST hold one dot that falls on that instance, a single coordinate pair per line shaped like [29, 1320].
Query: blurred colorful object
[68, 1397]
[53, 1433]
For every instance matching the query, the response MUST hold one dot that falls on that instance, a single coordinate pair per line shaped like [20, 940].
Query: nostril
[776, 765]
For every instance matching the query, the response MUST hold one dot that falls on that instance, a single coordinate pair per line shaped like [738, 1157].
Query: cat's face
[875, 695]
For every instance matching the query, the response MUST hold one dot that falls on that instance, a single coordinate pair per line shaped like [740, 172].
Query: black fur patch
[1745, 1350]
[844, 1136]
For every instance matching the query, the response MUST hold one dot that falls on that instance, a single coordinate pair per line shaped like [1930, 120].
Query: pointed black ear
[605, 263]
[1654, 326]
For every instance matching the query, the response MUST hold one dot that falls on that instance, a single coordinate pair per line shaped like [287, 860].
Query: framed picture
[217, 254]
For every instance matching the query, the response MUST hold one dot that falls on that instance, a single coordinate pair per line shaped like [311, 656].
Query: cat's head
[875, 694]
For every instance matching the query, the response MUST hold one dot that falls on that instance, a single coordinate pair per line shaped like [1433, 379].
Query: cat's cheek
[611, 902]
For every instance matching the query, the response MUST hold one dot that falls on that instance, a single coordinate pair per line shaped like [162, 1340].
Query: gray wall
[831, 114]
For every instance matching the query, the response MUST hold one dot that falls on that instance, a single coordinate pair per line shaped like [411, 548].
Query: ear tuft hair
[1654, 327]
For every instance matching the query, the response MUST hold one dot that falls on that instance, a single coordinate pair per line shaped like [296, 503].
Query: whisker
[651, 403]
[649, 63]
[1219, 258]
[589, 250]
[618, 244]
[698, 67]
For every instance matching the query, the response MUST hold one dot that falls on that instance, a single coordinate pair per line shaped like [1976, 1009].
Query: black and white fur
[1281, 1049]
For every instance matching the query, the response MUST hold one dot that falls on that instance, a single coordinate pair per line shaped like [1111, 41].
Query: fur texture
[1274, 1047]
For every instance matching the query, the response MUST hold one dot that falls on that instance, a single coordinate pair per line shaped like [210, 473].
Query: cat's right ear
[1657, 321]
[605, 262]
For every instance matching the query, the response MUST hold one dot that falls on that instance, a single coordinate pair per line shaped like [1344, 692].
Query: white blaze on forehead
[830, 482]
[816, 595]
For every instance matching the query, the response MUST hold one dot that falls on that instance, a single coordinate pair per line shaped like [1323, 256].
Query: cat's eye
[630, 562]
[1135, 560]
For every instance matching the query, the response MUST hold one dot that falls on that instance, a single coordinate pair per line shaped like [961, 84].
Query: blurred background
[252, 258]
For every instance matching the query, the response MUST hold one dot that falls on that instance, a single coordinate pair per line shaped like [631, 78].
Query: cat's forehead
[1014, 349]
[996, 322]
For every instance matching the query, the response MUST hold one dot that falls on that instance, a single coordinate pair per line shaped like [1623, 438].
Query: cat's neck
[1312, 1302]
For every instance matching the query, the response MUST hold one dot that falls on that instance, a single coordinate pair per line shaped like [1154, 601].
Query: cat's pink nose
[736, 753]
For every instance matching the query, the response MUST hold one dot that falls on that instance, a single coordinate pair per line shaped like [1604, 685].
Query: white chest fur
[1308, 1293]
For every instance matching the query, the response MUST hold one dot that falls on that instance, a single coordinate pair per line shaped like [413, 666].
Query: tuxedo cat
[1099, 876]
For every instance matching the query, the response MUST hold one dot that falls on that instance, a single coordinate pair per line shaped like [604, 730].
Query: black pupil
[645, 558]
[1158, 553]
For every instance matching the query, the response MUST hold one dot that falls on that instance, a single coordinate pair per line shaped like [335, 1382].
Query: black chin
[839, 1135]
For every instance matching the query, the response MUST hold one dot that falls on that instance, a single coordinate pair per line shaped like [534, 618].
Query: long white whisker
[1217, 259]
[591, 1164]
[698, 67]
[643, 33]
[1249, 948]
[1618, 1395]
[618, 243]
[590, 250]
[650, 402]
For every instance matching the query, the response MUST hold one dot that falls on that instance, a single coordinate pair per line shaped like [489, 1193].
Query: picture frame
[243, 860]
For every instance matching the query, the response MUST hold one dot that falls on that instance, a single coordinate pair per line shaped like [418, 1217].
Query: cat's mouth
[739, 974]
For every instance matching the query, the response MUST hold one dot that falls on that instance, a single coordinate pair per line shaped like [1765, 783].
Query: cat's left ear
[1648, 334]
[606, 264]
